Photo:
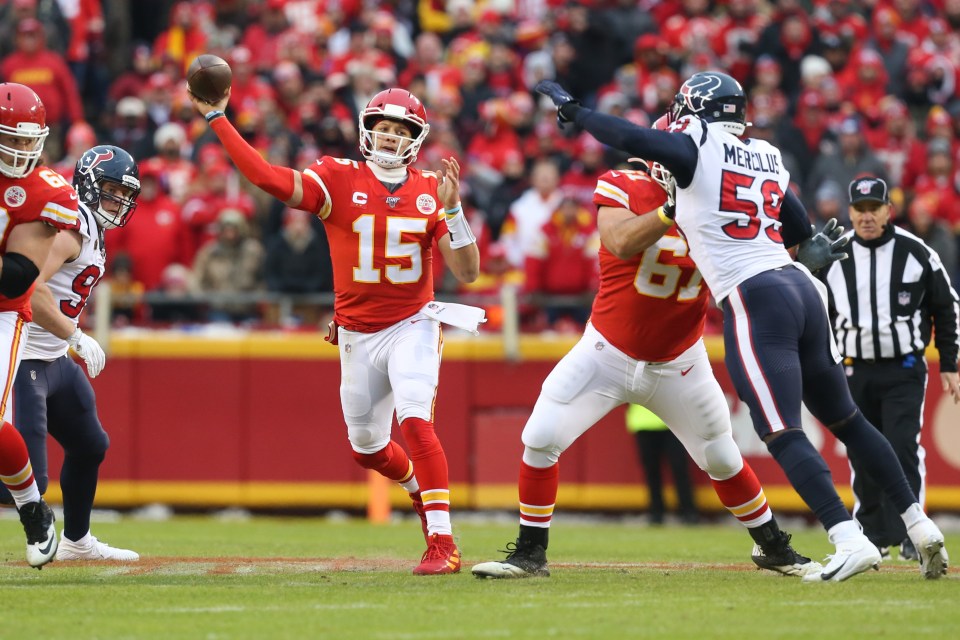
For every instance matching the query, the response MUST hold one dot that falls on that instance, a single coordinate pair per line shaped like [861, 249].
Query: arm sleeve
[796, 223]
[277, 181]
[675, 151]
[945, 311]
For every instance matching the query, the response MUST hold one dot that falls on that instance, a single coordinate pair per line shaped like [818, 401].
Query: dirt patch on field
[267, 566]
[240, 566]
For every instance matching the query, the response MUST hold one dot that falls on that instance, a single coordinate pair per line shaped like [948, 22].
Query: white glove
[88, 349]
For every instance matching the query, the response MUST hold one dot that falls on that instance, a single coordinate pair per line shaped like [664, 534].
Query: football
[209, 77]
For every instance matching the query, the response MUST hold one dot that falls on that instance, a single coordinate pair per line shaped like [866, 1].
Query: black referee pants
[890, 393]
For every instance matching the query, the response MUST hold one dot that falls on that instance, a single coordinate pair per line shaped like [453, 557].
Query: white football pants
[396, 368]
[595, 377]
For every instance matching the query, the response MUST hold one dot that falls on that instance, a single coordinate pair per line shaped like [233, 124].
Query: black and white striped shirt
[888, 295]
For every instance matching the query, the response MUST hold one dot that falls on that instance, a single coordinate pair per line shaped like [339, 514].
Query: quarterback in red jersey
[644, 346]
[382, 217]
[36, 203]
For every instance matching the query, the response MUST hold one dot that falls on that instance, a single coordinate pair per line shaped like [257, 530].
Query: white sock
[82, 542]
[25, 496]
[913, 515]
[439, 522]
[411, 485]
[847, 530]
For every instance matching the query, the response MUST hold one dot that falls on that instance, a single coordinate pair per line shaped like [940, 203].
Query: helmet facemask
[125, 205]
[19, 163]
[406, 147]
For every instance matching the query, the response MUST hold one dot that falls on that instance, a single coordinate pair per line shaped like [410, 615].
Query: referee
[884, 301]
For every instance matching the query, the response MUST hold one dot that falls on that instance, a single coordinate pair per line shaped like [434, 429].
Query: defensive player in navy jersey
[734, 206]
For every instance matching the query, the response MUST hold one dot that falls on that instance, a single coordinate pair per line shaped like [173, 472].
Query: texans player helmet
[713, 96]
[98, 166]
[393, 104]
[22, 115]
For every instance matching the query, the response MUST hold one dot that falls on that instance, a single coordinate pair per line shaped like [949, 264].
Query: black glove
[824, 248]
[566, 103]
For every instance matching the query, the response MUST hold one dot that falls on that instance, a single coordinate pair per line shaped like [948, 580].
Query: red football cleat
[441, 557]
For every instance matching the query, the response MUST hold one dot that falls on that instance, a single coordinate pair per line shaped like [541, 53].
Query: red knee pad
[391, 462]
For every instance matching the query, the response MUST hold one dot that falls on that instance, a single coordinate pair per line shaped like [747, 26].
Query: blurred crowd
[841, 86]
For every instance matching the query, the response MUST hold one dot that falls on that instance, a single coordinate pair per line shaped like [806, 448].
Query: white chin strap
[19, 169]
[386, 160]
[105, 219]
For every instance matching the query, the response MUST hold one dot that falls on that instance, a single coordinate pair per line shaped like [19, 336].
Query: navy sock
[809, 475]
[877, 459]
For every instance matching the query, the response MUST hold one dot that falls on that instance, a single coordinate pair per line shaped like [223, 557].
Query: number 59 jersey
[730, 212]
[71, 286]
[43, 195]
[381, 242]
[651, 306]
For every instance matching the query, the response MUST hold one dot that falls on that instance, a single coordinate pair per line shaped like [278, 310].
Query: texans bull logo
[696, 91]
[101, 156]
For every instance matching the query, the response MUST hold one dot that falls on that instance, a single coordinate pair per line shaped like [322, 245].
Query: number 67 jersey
[42, 196]
[651, 306]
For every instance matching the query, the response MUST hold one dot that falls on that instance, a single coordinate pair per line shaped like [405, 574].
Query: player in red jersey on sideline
[34, 204]
[643, 345]
[381, 218]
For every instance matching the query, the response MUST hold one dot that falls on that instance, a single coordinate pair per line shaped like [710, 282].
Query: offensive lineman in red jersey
[643, 345]
[35, 204]
[382, 217]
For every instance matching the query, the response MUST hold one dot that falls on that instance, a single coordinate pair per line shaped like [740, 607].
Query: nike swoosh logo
[73, 196]
[46, 550]
[687, 370]
[828, 576]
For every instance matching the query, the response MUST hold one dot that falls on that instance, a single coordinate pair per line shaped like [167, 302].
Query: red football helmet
[22, 115]
[657, 171]
[393, 104]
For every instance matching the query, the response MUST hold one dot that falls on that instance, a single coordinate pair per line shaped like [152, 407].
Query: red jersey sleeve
[633, 190]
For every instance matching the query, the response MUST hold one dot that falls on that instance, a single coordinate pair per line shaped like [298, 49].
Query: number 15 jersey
[381, 243]
[730, 212]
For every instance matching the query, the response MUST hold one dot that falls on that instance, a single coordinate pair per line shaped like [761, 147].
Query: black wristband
[213, 115]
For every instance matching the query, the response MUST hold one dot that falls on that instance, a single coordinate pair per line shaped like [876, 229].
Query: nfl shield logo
[392, 201]
[903, 298]
[865, 186]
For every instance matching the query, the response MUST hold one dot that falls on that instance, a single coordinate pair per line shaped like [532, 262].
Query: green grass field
[204, 578]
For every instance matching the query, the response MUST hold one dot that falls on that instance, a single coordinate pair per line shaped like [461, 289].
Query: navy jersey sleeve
[675, 151]
[796, 223]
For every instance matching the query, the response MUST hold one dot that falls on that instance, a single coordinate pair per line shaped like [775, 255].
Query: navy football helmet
[102, 164]
[713, 96]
